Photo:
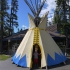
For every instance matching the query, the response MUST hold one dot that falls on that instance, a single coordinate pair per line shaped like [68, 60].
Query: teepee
[38, 34]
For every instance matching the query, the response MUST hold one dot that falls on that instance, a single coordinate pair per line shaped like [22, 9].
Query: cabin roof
[19, 35]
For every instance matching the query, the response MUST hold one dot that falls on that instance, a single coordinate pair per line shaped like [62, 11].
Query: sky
[23, 11]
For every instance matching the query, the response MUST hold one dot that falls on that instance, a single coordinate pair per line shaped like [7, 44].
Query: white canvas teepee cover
[51, 53]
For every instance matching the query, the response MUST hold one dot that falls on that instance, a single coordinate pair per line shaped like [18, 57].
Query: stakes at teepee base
[37, 48]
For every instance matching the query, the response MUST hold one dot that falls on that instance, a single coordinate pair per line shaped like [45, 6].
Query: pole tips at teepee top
[36, 8]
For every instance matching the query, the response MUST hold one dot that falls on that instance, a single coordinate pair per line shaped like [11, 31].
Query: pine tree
[13, 16]
[61, 14]
[63, 10]
[3, 16]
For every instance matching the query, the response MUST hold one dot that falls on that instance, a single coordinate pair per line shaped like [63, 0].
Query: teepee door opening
[36, 56]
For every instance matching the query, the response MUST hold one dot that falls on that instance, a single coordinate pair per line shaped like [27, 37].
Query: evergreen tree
[7, 20]
[61, 18]
[61, 14]
[13, 16]
[3, 16]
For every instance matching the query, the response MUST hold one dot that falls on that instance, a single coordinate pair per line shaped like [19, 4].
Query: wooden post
[64, 46]
[8, 45]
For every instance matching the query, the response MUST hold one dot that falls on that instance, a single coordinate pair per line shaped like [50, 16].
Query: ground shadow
[37, 68]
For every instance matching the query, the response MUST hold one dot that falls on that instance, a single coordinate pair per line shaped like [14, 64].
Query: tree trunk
[1, 47]
[2, 21]
[66, 34]
[66, 45]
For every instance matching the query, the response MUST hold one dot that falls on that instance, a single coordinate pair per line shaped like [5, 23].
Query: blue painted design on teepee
[23, 61]
[58, 59]
[16, 60]
[13, 58]
[63, 57]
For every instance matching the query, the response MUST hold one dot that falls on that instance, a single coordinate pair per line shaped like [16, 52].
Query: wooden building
[15, 39]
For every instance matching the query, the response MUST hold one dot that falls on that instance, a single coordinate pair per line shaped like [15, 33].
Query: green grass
[4, 57]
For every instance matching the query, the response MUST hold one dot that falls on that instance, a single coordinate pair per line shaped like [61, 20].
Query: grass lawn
[4, 57]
